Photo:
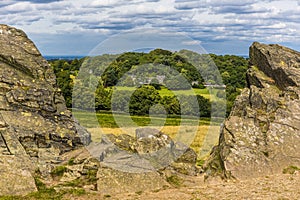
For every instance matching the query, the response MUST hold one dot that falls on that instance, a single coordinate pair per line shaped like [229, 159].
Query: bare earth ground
[275, 187]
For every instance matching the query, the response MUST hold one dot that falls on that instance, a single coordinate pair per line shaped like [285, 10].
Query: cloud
[192, 42]
[39, 1]
[208, 21]
[105, 3]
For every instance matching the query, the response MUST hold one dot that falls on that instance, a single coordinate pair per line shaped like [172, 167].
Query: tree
[143, 99]
[127, 81]
[204, 106]
[120, 101]
[171, 105]
[103, 98]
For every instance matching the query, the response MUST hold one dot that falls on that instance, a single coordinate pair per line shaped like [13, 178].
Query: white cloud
[205, 20]
[192, 42]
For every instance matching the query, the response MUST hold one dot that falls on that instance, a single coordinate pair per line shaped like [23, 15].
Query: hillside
[158, 68]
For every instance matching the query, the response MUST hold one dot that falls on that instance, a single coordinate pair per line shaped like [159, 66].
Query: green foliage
[11, 198]
[232, 69]
[174, 180]
[71, 161]
[157, 57]
[143, 99]
[103, 98]
[66, 71]
[58, 172]
[200, 162]
[45, 192]
[90, 178]
[39, 184]
[171, 104]
[231, 94]
[107, 70]
[291, 170]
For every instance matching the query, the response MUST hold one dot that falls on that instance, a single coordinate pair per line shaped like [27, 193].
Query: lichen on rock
[262, 134]
[35, 125]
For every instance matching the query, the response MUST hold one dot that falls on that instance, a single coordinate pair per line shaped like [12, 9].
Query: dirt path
[276, 187]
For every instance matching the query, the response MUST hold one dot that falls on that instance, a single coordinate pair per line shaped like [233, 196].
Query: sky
[76, 27]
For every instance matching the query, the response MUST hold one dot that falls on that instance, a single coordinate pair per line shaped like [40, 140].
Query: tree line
[110, 69]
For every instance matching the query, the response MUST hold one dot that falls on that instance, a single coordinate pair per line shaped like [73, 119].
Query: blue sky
[75, 27]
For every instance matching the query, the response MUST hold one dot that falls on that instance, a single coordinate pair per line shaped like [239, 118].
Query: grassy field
[107, 120]
[189, 130]
[166, 92]
[199, 138]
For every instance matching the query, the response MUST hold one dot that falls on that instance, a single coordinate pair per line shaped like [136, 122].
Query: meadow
[200, 134]
[166, 92]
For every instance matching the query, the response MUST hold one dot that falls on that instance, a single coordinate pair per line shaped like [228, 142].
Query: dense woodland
[148, 74]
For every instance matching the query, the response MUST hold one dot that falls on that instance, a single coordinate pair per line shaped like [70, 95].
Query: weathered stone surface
[112, 181]
[262, 134]
[149, 151]
[36, 126]
[120, 172]
[16, 175]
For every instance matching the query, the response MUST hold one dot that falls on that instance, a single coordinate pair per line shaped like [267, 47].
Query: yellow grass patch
[199, 138]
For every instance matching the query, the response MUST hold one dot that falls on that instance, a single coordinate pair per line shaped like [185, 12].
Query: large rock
[35, 125]
[262, 134]
[140, 163]
[112, 181]
[149, 151]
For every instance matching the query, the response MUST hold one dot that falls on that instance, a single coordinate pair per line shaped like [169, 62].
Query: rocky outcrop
[141, 163]
[40, 140]
[123, 163]
[262, 134]
[150, 150]
[35, 125]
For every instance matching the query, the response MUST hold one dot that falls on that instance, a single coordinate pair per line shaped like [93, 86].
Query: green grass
[206, 93]
[194, 91]
[45, 192]
[166, 92]
[90, 119]
[58, 172]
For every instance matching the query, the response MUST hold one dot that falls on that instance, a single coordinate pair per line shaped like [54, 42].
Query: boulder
[35, 125]
[118, 172]
[140, 163]
[112, 181]
[149, 151]
[262, 134]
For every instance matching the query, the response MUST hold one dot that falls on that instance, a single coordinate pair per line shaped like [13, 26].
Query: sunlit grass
[190, 130]
[166, 92]
[104, 119]
[195, 135]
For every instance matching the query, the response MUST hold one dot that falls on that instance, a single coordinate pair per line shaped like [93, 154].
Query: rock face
[35, 125]
[262, 134]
